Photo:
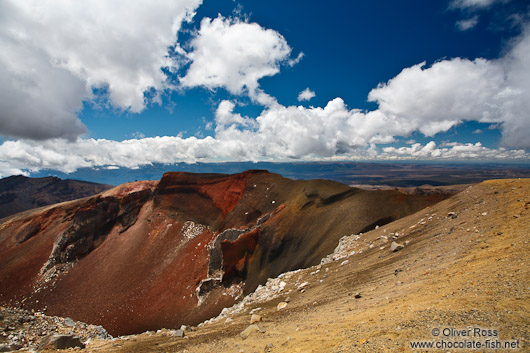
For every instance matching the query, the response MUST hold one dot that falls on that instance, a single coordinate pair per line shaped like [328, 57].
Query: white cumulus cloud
[306, 95]
[234, 54]
[55, 51]
[434, 99]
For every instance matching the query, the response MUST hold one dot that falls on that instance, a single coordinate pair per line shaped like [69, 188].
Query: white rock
[303, 285]
[255, 318]
[281, 305]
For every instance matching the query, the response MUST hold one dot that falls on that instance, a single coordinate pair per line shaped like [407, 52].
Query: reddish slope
[147, 255]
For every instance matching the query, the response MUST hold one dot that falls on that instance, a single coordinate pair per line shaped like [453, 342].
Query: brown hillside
[147, 255]
[464, 266]
[19, 193]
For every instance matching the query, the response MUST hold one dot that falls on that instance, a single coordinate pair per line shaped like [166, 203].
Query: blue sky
[93, 84]
[349, 48]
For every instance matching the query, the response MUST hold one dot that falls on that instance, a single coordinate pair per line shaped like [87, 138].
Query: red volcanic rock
[226, 193]
[148, 255]
[205, 198]
[237, 253]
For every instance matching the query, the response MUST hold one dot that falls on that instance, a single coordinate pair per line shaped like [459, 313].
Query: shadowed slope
[147, 255]
[20, 193]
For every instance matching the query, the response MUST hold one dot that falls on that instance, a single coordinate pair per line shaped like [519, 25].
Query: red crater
[148, 255]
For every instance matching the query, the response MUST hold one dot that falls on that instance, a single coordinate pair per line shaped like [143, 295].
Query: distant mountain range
[20, 193]
[395, 174]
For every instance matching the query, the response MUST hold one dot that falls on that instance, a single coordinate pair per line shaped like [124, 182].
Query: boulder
[69, 322]
[255, 318]
[250, 330]
[62, 342]
[396, 246]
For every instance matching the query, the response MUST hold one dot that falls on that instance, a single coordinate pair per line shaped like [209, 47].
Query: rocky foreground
[26, 330]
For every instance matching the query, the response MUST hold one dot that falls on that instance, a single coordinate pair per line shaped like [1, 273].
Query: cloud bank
[451, 151]
[26, 156]
[54, 52]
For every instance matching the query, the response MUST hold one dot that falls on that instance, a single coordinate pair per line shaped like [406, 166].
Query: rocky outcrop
[147, 255]
[237, 253]
[91, 223]
[20, 328]
[62, 342]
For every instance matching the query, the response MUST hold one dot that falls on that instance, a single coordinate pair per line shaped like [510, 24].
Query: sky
[111, 84]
